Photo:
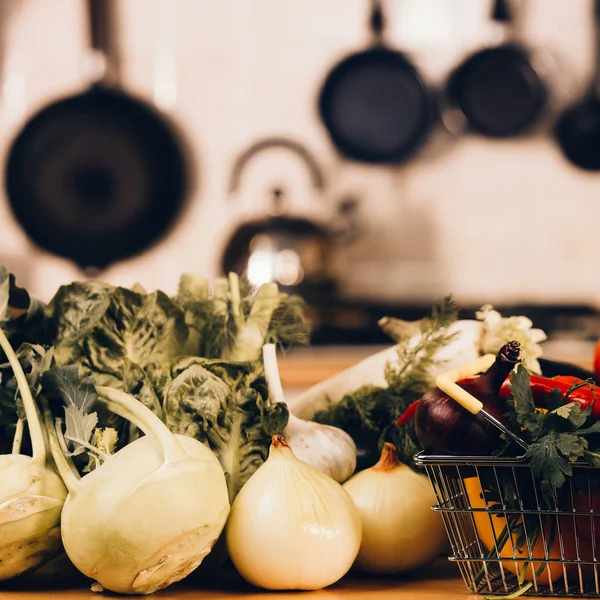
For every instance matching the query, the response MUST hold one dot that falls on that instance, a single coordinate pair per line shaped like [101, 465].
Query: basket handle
[447, 382]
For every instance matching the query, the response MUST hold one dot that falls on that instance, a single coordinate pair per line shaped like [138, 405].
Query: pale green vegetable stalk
[31, 494]
[251, 332]
[150, 513]
[18, 439]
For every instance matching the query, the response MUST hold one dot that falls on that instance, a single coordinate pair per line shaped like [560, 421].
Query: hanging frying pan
[99, 176]
[497, 89]
[374, 104]
[578, 129]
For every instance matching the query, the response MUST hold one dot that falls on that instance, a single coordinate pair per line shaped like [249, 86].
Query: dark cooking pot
[374, 103]
[499, 90]
[101, 175]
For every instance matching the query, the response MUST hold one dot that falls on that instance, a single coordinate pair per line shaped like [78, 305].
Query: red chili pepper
[542, 386]
[408, 414]
[597, 359]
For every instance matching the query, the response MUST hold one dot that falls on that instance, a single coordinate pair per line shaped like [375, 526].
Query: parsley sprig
[558, 435]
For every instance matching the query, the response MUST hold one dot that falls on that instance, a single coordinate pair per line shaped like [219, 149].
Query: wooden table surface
[439, 581]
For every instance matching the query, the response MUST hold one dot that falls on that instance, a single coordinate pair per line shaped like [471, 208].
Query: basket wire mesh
[508, 531]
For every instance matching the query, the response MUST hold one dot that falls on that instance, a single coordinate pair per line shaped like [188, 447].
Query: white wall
[489, 220]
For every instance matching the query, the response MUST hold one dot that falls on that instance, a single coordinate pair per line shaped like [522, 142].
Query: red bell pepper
[542, 386]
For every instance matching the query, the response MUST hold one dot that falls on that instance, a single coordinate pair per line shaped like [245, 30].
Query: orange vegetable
[489, 534]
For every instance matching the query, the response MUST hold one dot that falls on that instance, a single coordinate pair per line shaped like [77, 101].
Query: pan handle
[318, 179]
[501, 11]
[100, 15]
[596, 72]
[377, 20]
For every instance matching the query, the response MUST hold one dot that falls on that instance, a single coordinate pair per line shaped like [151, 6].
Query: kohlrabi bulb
[31, 493]
[146, 518]
[31, 500]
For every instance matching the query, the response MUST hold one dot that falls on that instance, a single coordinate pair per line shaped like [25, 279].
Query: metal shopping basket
[507, 532]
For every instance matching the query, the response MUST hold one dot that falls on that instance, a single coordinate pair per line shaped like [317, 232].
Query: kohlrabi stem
[145, 419]
[89, 447]
[16, 446]
[63, 445]
[272, 373]
[33, 421]
[64, 469]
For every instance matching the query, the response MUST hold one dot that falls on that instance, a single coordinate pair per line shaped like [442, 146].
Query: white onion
[292, 527]
[400, 531]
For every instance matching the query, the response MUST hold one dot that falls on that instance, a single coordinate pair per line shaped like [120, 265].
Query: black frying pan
[578, 129]
[98, 176]
[374, 103]
[497, 89]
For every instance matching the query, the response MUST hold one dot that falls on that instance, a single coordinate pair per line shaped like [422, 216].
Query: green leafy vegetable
[221, 403]
[123, 327]
[79, 397]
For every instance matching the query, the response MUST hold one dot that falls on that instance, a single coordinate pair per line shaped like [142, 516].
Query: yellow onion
[292, 527]
[400, 531]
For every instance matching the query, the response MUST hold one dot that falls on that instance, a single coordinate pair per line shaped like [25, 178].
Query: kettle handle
[316, 174]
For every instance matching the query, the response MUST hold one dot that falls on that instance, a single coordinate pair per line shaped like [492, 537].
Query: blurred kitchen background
[256, 178]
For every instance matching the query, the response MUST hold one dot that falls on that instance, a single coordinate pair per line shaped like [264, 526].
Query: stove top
[355, 323]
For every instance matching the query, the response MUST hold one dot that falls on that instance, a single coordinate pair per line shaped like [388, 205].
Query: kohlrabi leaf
[21, 316]
[79, 428]
[78, 395]
[66, 384]
[35, 360]
[105, 440]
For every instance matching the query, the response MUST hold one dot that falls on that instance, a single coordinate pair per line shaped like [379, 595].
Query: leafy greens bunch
[192, 359]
